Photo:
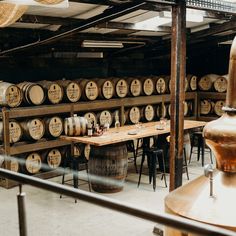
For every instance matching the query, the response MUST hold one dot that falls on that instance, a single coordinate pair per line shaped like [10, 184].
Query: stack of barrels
[55, 92]
[212, 83]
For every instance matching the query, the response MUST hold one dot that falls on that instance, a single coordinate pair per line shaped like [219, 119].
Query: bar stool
[74, 162]
[152, 159]
[185, 163]
[198, 137]
[131, 148]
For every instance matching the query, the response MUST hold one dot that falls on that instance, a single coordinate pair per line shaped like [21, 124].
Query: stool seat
[152, 159]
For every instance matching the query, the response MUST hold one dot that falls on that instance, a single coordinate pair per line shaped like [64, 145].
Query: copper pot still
[220, 135]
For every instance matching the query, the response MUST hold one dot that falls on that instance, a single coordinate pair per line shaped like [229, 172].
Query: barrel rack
[69, 109]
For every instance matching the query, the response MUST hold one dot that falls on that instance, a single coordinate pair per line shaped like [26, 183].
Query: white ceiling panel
[95, 30]
[74, 9]
[149, 33]
[128, 17]
[91, 12]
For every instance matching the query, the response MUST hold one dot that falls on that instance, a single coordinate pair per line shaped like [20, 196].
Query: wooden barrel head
[14, 165]
[121, 88]
[55, 126]
[148, 86]
[205, 107]
[33, 129]
[105, 117]
[135, 87]
[73, 91]
[186, 110]
[15, 131]
[35, 94]
[54, 158]
[149, 113]
[193, 83]
[107, 89]
[33, 163]
[218, 108]
[10, 95]
[134, 115]
[91, 90]
[55, 93]
[91, 118]
[161, 85]
[220, 84]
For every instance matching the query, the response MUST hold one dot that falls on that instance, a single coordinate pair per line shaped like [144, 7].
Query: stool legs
[185, 164]
[141, 168]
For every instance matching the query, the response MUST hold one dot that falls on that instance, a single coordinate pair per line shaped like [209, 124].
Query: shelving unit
[70, 109]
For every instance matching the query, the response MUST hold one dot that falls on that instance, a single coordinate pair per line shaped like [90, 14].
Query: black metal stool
[198, 137]
[131, 148]
[152, 159]
[74, 162]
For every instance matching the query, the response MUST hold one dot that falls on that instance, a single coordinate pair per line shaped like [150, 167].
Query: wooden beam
[178, 61]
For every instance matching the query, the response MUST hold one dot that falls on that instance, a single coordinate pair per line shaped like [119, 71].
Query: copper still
[196, 200]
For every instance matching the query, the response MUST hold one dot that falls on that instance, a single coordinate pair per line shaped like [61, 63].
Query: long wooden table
[130, 132]
[108, 156]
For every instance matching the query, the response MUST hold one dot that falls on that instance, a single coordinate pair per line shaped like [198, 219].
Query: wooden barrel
[53, 126]
[220, 84]
[108, 167]
[186, 109]
[33, 129]
[89, 89]
[206, 107]
[147, 113]
[52, 158]
[161, 85]
[91, 117]
[10, 95]
[148, 86]
[72, 90]
[192, 82]
[104, 117]
[32, 163]
[206, 82]
[33, 93]
[105, 88]
[75, 126]
[218, 107]
[135, 87]
[15, 131]
[133, 115]
[161, 110]
[13, 164]
[121, 87]
[53, 90]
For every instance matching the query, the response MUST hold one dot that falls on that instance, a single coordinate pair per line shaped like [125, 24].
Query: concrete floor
[47, 214]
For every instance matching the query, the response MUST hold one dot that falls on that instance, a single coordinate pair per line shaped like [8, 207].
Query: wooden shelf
[211, 95]
[43, 110]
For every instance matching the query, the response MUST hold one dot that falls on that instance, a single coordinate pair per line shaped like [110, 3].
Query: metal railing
[179, 223]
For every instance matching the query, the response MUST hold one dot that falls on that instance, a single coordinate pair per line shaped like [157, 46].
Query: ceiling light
[101, 44]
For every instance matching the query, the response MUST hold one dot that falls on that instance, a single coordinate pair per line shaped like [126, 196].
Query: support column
[178, 62]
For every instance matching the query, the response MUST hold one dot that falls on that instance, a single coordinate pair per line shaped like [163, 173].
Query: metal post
[178, 61]
[22, 212]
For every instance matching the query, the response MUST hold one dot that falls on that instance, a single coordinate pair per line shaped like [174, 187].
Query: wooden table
[108, 161]
[121, 134]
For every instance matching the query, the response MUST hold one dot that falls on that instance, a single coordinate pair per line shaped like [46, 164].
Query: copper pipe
[231, 94]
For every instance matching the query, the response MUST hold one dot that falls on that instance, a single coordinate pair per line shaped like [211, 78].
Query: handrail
[179, 223]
